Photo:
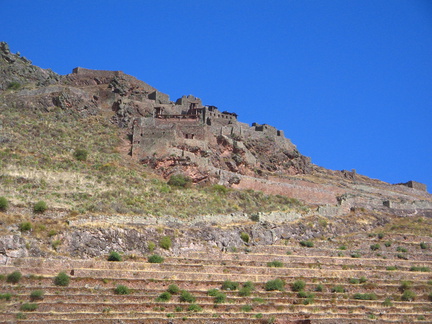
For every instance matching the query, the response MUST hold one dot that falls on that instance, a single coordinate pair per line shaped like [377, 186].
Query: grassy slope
[37, 163]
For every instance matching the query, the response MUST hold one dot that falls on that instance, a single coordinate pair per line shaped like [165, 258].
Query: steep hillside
[98, 161]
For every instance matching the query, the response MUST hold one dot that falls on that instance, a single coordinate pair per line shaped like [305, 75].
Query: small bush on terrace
[4, 204]
[275, 264]
[165, 242]
[307, 243]
[338, 289]
[25, 226]
[36, 295]
[408, 295]
[298, 285]
[62, 279]
[40, 207]
[28, 307]
[420, 269]
[375, 247]
[245, 237]
[230, 285]
[219, 298]
[276, 284]
[80, 154]
[14, 277]
[165, 296]
[173, 289]
[6, 296]
[122, 290]
[194, 308]
[114, 256]
[155, 258]
[405, 285]
[423, 245]
[14, 85]
[179, 180]
[186, 297]
[366, 296]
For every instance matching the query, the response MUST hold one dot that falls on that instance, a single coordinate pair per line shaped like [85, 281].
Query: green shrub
[246, 308]
[212, 292]
[366, 296]
[165, 242]
[305, 294]
[276, 284]
[354, 281]
[355, 255]
[375, 247]
[338, 289]
[408, 295]
[62, 279]
[275, 264]
[221, 189]
[391, 268]
[21, 316]
[423, 245]
[122, 290]
[308, 243]
[186, 297]
[362, 279]
[165, 296]
[55, 244]
[430, 296]
[405, 285]
[380, 236]
[40, 207]
[14, 277]
[219, 298]
[194, 308]
[249, 284]
[4, 204]
[178, 309]
[255, 217]
[114, 256]
[28, 307]
[155, 258]
[80, 154]
[245, 237]
[420, 269]
[298, 285]
[342, 247]
[387, 302]
[36, 295]
[151, 246]
[173, 289]
[230, 285]
[179, 180]
[245, 291]
[401, 249]
[387, 244]
[14, 85]
[25, 226]
[6, 296]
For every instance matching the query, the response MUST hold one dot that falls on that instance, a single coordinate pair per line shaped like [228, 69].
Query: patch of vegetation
[122, 290]
[391, 268]
[420, 269]
[355, 255]
[4, 204]
[387, 244]
[80, 154]
[387, 302]
[245, 237]
[14, 85]
[298, 285]
[275, 264]
[21, 316]
[164, 297]
[276, 284]
[155, 258]
[408, 295]
[245, 292]
[305, 294]
[180, 180]
[62, 279]
[230, 285]
[342, 247]
[173, 289]
[14, 277]
[40, 207]
[114, 256]
[338, 289]
[6, 296]
[36, 295]
[186, 297]
[366, 296]
[246, 308]
[165, 242]
[194, 308]
[151, 246]
[423, 245]
[307, 243]
[25, 226]
[219, 298]
[375, 247]
[28, 307]
[401, 249]
[319, 288]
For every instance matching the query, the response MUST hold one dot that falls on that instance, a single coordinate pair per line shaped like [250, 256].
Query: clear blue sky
[350, 82]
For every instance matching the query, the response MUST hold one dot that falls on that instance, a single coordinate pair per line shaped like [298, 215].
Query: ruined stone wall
[159, 97]
[96, 73]
[416, 185]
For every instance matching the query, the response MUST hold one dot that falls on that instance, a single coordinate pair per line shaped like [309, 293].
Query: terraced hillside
[354, 279]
